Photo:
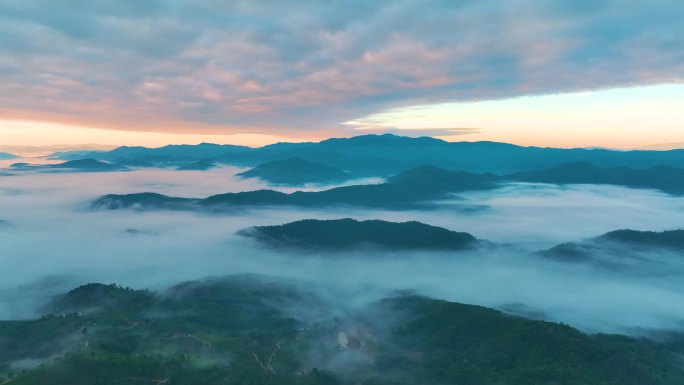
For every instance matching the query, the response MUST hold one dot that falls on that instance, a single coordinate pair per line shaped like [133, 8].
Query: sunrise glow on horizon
[562, 75]
[616, 118]
[621, 118]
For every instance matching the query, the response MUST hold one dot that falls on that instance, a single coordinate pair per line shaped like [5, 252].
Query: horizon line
[96, 147]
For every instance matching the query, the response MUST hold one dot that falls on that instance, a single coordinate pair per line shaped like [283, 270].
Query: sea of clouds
[51, 241]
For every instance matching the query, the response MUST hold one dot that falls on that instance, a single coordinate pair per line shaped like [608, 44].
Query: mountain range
[413, 188]
[385, 155]
[663, 178]
[85, 165]
[418, 187]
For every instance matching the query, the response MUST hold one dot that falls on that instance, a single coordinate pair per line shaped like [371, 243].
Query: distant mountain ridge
[410, 189]
[74, 154]
[664, 178]
[7, 156]
[431, 177]
[200, 165]
[416, 187]
[617, 242]
[349, 234]
[86, 165]
[181, 152]
[384, 155]
[296, 172]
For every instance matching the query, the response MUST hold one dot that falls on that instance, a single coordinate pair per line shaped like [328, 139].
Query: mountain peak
[296, 171]
[347, 233]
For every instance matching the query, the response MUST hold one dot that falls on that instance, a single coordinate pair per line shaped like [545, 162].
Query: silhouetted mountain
[170, 153]
[296, 172]
[283, 332]
[572, 251]
[664, 178]
[97, 296]
[200, 165]
[435, 178]
[89, 165]
[75, 154]
[383, 155]
[346, 234]
[7, 156]
[86, 165]
[139, 163]
[672, 239]
[145, 200]
[410, 189]
[620, 242]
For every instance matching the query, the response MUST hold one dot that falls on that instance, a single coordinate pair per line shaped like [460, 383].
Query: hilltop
[296, 172]
[200, 165]
[623, 244]
[348, 234]
[262, 330]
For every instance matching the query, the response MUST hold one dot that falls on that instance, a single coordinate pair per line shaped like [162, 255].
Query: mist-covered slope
[409, 189]
[170, 153]
[671, 239]
[349, 234]
[83, 165]
[620, 247]
[413, 188]
[200, 165]
[258, 330]
[435, 178]
[664, 178]
[296, 172]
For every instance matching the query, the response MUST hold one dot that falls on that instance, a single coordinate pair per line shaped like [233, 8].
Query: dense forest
[259, 330]
[349, 234]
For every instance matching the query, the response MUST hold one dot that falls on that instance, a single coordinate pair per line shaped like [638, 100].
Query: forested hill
[385, 155]
[349, 234]
[258, 330]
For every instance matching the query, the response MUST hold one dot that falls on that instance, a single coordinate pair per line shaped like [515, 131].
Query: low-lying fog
[50, 242]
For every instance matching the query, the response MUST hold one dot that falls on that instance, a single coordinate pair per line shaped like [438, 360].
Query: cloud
[380, 129]
[53, 244]
[304, 66]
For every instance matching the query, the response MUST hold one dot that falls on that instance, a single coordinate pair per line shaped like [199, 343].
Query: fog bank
[52, 243]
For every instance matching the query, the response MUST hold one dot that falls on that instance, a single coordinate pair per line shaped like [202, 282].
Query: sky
[604, 73]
